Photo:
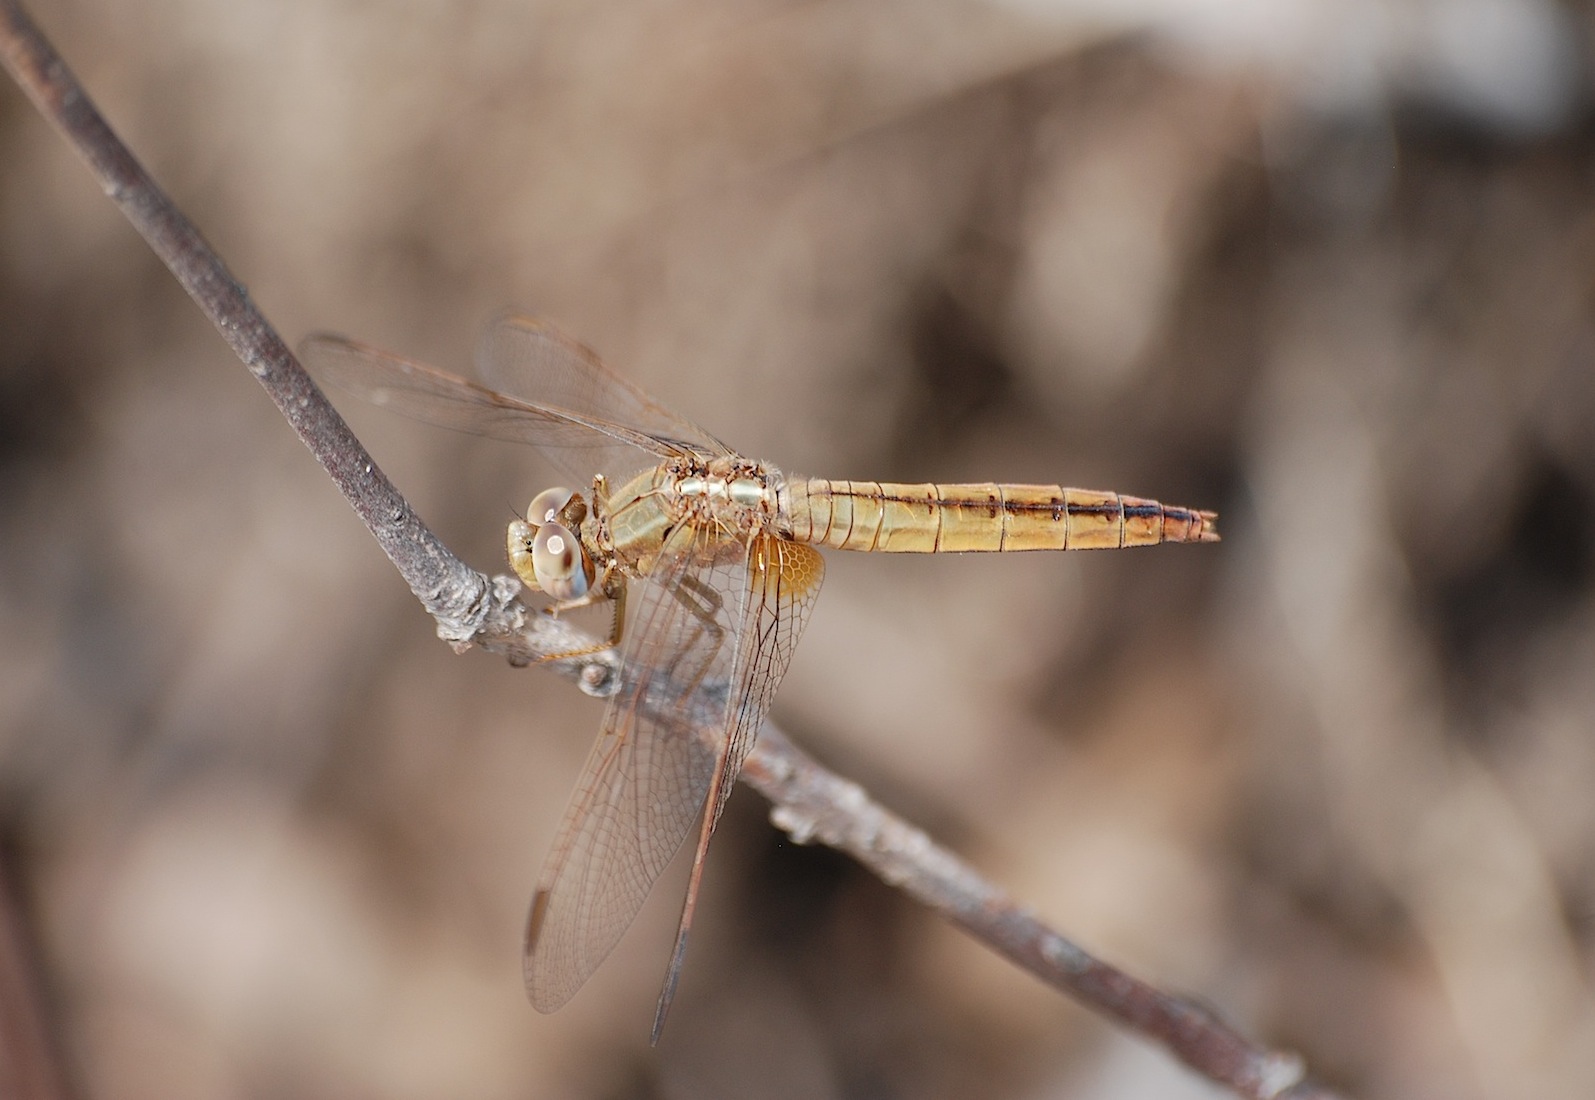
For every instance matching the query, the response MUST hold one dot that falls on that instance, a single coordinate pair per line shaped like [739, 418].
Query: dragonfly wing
[645, 780]
[706, 647]
[533, 360]
[577, 445]
[777, 591]
[782, 583]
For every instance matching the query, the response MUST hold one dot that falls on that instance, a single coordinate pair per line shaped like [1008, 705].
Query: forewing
[645, 780]
[577, 445]
[532, 360]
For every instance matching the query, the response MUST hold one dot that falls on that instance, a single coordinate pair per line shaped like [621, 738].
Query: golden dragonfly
[708, 561]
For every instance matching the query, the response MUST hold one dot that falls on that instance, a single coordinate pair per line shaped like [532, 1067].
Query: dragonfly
[709, 564]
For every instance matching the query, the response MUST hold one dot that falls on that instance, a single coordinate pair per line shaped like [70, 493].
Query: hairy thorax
[724, 501]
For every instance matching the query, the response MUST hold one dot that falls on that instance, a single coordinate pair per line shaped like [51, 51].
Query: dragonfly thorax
[723, 499]
[745, 491]
[733, 493]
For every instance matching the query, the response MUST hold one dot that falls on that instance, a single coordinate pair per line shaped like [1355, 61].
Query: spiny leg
[611, 586]
[703, 603]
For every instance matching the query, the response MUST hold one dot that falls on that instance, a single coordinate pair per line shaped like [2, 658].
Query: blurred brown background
[1326, 267]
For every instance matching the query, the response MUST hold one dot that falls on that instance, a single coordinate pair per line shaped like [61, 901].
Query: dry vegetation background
[1324, 266]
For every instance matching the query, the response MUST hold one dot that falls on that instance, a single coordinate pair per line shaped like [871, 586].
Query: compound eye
[559, 563]
[546, 505]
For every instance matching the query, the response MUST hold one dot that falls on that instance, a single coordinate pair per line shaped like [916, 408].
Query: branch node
[597, 679]
[1064, 955]
[1278, 1072]
[799, 827]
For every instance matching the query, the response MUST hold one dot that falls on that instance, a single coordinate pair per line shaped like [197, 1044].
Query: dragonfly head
[544, 550]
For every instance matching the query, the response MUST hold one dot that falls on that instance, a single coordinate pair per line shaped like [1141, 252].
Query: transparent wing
[534, 361]
[706, 646]
[644, 781]
[783, 581]
[579, 445]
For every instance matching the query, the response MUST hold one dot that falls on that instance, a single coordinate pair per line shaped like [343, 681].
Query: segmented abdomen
[923, 519]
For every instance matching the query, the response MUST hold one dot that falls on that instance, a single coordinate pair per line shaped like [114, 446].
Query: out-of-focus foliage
[1326, 267]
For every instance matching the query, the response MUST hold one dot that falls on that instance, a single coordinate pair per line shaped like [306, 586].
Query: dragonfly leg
[617, 600]
[704, 604]
[559, 607]
[611, 586]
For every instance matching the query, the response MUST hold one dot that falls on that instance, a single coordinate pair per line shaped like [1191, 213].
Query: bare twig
[813, 804]
[472, 609]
